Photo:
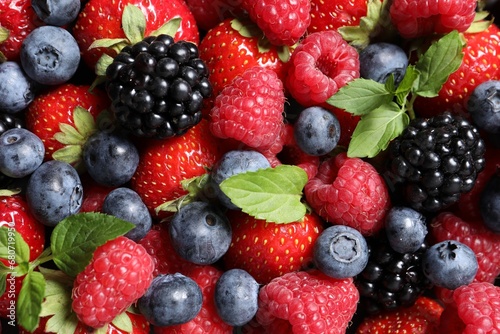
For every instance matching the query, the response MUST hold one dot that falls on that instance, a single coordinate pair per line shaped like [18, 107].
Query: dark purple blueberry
[483, 106]
[21, 152]
[16, 88]
[56, 12]
[378, 61]
[489, 203]
[406, 229]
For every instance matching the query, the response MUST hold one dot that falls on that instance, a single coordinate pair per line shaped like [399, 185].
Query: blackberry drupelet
[390, 279]
[157, 87]
[435, 160]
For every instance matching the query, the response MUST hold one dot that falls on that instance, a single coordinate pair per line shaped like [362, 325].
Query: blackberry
[390, 279]
[9, 121]
[435, 160]
[157, 87]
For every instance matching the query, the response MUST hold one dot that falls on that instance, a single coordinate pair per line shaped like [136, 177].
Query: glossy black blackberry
[158, 86]
[436, 160]
[390, 279]
[9, 121]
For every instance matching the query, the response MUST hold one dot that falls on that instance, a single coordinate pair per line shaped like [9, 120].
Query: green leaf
[4, 34]
[71, 154]
[4, 272]
[375, 131]
[435, 66]
[271, 194]
[75, 238]
[133, 23]
[29, 300]
[84, 122]
[122, 321]
[246, 28]
[194, 186]
[107, 43]
[102, 64]
[168, 28]
[406, 85]
[10, 192]
[361, 96]
[13, 247]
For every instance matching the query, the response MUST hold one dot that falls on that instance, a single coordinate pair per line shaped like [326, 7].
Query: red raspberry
[320, 65]
[120, 272]
[349, 191]
[307, 302]
[250, 109]
[209, 13]
[414, 18]
[283, 22]
[475, 310]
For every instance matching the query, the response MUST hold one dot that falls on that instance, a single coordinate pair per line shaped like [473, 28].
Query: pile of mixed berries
[249, 166]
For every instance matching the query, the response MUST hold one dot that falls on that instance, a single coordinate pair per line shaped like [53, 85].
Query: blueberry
[126, 204]
[489, 203]
[406, 229]
[232, 163]
[171, 299]
[340, 251]
[16, 88]
[50, 55]
[56, 12]
[200, 233]
[110, 159]
[483, 106]
[450, 264]
[21, 152]
[379, 60]
[236, 297]
[54, 192]
[316, 131]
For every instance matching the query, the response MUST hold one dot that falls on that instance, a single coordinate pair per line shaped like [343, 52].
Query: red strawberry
[331, 15]
[250, 109]
[164, 164]
[94, 195]
[422, 318]
[307, 302]
[209, 13]
[349, 191]
[283, 22]
[120, 272]
[269, 250]
[480, 63]
[234, 46]
[58, 106]
[102, 19]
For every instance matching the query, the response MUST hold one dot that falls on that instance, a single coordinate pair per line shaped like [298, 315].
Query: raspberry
[414, 18]
[283, 22]
[307, 302]
[320, 65]
[250, 109]
[120, 272]
[349, 191]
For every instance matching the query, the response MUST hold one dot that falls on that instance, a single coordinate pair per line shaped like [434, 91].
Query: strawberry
[59, 116]
[94, 195]
[269, 250]
[332, 15]
[164, 164]
[209, 13]
[422, 317]
[102, 19]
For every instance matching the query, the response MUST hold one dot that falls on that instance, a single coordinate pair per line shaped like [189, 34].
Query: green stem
[409, 107]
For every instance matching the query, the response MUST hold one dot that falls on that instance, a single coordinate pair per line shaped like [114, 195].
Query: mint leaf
[439, 61]
[361, 96]
[75, 238]
[271, 194]
[133, 23]
[375, 130]
[406, 85]
[13, 247]
[29, 300]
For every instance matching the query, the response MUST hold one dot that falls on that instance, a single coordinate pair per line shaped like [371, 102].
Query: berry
[450, 264]
[349, 191]
[209, 14]
[378, 61]
[16, 88]
[171, 300]
[157, 87]
[436, 160]
[340, 252]
[126, 204]
[283, 22]
[21, 152]
[316, 131]
[54, 192]
[232, 163]
[329, 15]
[406, 229]
[250, 109]
[94, 195]
[50, 55]
[488, 203]
[119, 273]
[8, 121]
[200, 233]
[103, 152]
[56, 13]
[236, 297]
[307, 302]
[414, 19]
[483, 106]
[320, 65]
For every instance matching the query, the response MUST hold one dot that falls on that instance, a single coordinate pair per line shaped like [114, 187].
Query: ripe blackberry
[157, 87]
[390, 279]
[435, 160]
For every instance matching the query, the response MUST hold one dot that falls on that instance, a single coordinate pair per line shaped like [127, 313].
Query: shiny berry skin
[21, 152]
[17, 90]
[57, 13]
[483, 106]
[406, 229]
[378, 61]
